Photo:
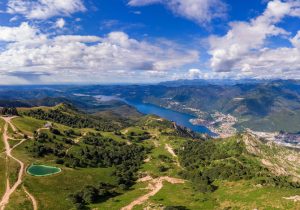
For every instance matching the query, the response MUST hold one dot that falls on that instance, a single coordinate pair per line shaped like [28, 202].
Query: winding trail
[170, 149]
[40, 129]
[155, 185]
[32, 198]
[76, 141]
[8, 150]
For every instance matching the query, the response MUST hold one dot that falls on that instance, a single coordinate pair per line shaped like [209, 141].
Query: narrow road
[8, 150]
[155, 185]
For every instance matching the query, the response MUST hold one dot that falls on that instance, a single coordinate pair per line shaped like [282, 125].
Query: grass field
[10, 130]
[118, 202]
[52, 192]
[246, 195]
[230, 195]
[183, 195]
[19, 200]
[2, 174]
[13, 170]
[28, 125]
[2, 123]
[2, 161]
[155, 162]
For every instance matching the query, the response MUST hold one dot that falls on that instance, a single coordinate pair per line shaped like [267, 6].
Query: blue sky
[117, 41]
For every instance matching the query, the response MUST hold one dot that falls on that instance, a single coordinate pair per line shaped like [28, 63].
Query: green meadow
[53, 191]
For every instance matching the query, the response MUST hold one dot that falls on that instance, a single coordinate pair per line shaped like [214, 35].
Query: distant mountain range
[258, 104]
[264, 106]
[203, 82]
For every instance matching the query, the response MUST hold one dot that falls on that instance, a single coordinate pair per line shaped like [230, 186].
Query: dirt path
[40, 129]
[155, 185]
[8, 150]
[293, 198]
[8, 121]
[15, 130]
[170, 149]
[76, 141]
[32, 198]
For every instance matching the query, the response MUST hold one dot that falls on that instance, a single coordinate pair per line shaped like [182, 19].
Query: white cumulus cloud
[194, 73]
[75, 57]
[60, 23]
[44, 9]
[244, 49]
[200, 11]
[23, 33]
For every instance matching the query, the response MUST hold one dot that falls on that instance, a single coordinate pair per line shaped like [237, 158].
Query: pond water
[42, 170]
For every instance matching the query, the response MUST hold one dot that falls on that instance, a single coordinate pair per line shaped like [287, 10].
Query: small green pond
[42, 170]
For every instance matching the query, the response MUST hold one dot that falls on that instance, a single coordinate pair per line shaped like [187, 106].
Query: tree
[90, 194]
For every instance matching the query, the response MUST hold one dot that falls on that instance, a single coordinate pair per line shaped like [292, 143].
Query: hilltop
[142, 164]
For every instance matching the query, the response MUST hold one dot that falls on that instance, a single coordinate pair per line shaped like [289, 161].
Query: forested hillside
[259, 105]
[148, 164]
[68, 115]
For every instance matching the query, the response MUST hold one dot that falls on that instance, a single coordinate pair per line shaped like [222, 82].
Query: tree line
[208, 161]
[94, 151]
[73, 120]
[9, 111]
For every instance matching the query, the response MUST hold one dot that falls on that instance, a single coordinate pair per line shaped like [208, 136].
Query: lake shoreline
[182, 119]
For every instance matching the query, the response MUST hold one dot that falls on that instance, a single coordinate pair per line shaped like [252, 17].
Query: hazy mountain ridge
[259, 105]
[264, 103]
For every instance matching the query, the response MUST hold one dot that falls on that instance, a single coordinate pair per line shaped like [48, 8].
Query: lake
[178, 117]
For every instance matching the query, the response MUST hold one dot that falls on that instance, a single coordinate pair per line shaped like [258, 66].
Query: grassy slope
[230, 195]
[118, 202]
[155, 162]
[2, 161]
[233, 195]
[52, 191]
[245, 195]
[19, 200]
[27, 124]
[151, 167]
